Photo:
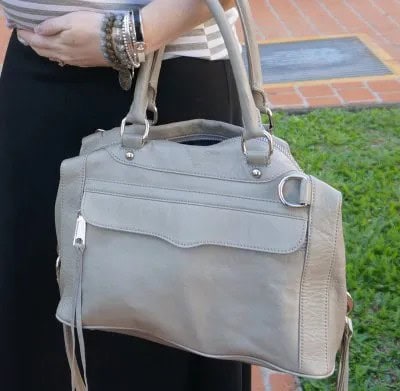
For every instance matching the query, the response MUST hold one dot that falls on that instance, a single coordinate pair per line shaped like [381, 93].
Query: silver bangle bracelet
[127, 37]
[117, 47]
[132, 31]
[122, 44]
[139, 45]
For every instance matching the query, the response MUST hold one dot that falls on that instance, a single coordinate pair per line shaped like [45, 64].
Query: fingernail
[38, 29]
[22, 41]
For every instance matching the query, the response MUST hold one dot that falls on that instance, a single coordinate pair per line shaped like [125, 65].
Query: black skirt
[45, 110]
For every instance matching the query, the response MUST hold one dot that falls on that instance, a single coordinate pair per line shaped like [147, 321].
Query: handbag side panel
[323, 290]
[68, 203]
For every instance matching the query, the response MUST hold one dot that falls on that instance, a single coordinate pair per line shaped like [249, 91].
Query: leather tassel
[343, 371]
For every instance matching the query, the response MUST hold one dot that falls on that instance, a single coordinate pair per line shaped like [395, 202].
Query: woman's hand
[72, 39]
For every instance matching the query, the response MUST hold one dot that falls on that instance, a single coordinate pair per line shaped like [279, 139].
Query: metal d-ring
[268, 111]
[153, 109]
[282, 185]
[123, 124]
[146, 129]
[270, 140]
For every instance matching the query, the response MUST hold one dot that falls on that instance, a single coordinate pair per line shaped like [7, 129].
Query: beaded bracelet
[113, 49]
[106, 40]
[120, 45]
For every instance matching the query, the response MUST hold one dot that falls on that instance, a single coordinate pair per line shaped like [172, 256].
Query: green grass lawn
[359, 154]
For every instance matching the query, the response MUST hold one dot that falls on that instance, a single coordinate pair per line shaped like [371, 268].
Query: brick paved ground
[281, 20]
[378, 22]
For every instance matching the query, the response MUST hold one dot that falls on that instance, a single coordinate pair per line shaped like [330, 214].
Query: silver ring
[270, 119]
[146, 130]
[123, 124]
[153, 109]
[270, 140]
[282, 184]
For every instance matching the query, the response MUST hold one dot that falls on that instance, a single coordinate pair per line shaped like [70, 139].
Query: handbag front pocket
[170, 265]
[185, 221]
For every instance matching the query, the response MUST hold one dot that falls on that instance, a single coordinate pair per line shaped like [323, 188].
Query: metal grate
[319, 59]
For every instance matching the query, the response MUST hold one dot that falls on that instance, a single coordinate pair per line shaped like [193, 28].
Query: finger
[21, 40]
[53, 26]
[23, 36]
[36, 40]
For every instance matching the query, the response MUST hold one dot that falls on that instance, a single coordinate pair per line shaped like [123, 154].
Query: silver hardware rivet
[256, 173]
[129, 155]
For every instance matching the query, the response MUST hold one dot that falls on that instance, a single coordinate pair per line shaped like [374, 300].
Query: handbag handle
[253, 128]
[138, 109]
[253, 56]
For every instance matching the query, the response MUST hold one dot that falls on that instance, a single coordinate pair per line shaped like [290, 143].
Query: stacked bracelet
[139, 44]
[111, 48]
[122, 44]
[129, 37]
[106, 39]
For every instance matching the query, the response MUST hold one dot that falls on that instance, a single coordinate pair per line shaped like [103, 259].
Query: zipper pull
[58, 268]
[80, 233]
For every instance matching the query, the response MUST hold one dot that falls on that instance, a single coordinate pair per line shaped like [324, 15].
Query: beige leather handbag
[229, 250]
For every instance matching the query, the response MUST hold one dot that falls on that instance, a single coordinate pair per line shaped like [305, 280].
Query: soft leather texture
[192, 224]
[186, 246]
[179, 218]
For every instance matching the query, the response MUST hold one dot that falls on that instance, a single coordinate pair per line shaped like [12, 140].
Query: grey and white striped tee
[204, 41]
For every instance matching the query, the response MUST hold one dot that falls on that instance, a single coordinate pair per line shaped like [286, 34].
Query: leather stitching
[328, 280]
[83, 178]
[186, 190]
[183, 202]
[305, 268]
[332, 263]
[141, 333]
[81, 194]
[225, 141]
[196, 243]
[194, 173]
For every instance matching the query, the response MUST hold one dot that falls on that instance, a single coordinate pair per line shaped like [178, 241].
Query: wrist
[152, 39]
[122, 44]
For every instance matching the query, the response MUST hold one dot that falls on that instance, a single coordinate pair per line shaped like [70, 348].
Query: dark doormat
[319, 59]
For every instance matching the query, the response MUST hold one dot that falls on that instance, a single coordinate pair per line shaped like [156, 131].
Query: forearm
[74, 38]
[165, 20]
